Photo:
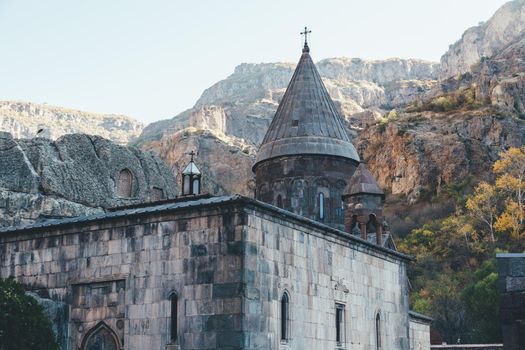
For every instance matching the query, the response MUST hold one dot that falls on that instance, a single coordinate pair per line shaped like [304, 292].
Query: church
[308, 263]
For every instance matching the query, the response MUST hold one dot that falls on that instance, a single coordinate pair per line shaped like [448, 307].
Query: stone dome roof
[306, 121]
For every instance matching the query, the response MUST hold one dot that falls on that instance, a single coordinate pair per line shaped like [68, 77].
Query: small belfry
[363, 200]
[191, 178]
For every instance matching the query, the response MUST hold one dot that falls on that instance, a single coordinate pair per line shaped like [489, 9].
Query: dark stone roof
[306, 121]
[362, 182]
[192, 205]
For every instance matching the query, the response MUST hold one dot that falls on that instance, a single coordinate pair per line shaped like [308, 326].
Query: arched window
[174, 316]
[186, 187]
[371, 225]
[100, 337]
[378, 331]
[321, 206]
[196, 186]
[285, 317]
[125, 183]
[279, 201]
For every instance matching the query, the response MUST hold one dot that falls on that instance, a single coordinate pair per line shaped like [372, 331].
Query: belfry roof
[306, 121]
[362, 182]
[191, 169]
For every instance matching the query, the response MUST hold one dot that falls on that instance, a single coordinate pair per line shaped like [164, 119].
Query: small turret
[191, 178]
[363, 199]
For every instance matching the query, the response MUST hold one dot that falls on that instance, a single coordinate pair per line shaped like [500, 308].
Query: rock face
[501, 79]
[225, 162]
[419, 153]
[75, 175]
[24, 119]
[485, 40]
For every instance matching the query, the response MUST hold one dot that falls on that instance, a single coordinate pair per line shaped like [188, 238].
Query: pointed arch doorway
[100, 337]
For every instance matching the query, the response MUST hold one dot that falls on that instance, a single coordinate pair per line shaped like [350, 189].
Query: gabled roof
[306, 121]
[362, 182]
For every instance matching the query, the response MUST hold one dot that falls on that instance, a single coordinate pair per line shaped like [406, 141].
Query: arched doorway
[100, 337]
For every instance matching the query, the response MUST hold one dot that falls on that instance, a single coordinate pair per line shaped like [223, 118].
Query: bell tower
[363, 200]
[191, 178]
[306, 157]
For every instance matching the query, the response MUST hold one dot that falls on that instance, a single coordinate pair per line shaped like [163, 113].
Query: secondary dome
[306, 121]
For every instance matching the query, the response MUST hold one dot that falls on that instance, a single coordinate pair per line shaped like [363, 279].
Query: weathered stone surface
[485, 40]
[74, 175]
[20, 209]
[24, 119]
[122, 271]
[16, 172]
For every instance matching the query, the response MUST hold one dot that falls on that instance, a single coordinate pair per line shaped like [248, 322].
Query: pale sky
[152, 59]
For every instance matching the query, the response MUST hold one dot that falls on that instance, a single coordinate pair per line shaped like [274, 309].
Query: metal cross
[305, 33]
[192, 153]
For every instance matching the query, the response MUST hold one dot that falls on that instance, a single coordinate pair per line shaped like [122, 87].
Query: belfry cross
[305, 33]
[192, 153]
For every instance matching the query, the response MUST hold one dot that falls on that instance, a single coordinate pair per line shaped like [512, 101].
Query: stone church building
[308, 264]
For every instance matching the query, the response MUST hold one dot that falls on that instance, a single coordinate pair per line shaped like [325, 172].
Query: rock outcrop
[419, 153]
[225, 161]
[75, 175]
[485, 40]
[25, 119]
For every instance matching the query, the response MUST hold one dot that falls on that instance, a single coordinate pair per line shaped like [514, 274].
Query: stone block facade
[419, 331]
[511, 288]
[218, 267]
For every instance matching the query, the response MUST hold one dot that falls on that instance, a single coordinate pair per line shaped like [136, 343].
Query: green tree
[23, 322]
[482, 304]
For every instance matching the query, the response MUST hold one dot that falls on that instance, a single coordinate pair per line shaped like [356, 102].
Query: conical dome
[306, 121]
[363, 182]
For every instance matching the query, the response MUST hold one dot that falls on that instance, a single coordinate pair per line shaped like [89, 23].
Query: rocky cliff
[485, 40]
[75, 175]
[243, 104]
[24, 119]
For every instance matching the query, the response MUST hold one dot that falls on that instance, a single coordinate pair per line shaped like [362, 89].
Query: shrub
[23, 322]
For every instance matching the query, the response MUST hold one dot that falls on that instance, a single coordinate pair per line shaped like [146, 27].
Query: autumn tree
[483, 206]
[510, 172]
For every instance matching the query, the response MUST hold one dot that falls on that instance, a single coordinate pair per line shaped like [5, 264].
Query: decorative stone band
[306, 145]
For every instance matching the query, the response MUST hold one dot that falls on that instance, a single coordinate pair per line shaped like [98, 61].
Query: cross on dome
[305, 33]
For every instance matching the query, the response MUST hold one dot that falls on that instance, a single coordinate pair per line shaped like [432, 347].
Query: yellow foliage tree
[509, 220]
[483, 206]
[510, 171]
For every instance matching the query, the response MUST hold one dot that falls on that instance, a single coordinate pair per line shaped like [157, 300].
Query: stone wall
[318, 268]
[123, 273]
[511, 288]
[228, 260]
[419, 333]
[295, 182]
